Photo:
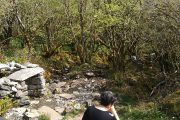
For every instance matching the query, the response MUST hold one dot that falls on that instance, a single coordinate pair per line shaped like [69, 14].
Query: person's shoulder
[91, 107]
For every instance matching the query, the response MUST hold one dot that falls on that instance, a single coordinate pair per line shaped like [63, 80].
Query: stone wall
[21, 80]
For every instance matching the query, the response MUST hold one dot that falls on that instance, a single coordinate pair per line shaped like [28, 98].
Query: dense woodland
[138, 41]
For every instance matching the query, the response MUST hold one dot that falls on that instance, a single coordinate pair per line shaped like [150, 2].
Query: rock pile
[21, 80]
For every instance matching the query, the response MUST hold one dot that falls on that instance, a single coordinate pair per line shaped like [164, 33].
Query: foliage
[5, 104]
[152, 114]
[43, 117]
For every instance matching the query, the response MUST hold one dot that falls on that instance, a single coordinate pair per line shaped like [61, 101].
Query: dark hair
[107, 98]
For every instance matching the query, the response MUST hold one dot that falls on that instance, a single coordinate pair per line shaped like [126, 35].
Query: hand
[112, 109]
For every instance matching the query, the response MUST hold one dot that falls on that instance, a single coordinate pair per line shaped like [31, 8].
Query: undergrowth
[5, 104]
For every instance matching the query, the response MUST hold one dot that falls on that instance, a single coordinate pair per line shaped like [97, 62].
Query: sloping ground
[62, 98]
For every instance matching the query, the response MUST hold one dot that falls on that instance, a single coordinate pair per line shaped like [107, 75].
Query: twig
[162, 82]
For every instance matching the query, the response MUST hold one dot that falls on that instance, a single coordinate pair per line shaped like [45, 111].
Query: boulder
[31, 114]
[50, 112]
[24, 74]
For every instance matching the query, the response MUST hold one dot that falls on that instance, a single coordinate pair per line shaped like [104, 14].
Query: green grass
[151, 114]
[44, 117]
[5, 104]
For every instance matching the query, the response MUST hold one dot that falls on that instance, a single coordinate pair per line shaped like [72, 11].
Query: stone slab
[50, 112]
[2, 66]
[24, 74]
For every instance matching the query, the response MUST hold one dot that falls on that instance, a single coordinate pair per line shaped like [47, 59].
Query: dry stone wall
[21, 80]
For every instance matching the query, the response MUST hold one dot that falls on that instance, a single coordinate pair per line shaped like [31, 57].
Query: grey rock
[24, 101]
[24, 74]
[60, 84]
[5, 87]
[31, 114]
[4, 93]
[34, 102]
[19, 66]
[49, 111]
[20, 94]
[59, 110]
[14, 89]
[1, 81]
[2, 66]
[15, 114]
[67, 96]
[19, 87]
[30, 65]
[89, 74]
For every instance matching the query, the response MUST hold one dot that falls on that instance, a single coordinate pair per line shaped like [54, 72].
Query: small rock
[59, 110]
[31, 115]
[4, 87]
[48, 100]
[60, 84]
[19, 66]
[24, 101]
[4, 93]
[1, 81]
[57, 91]
[20, 94]
[89, 74]
[67, 96]
[2, 66]
[77, 106]
[96, 95]
[34, 102]
[14, 89]
[30, 65]
[19, 87]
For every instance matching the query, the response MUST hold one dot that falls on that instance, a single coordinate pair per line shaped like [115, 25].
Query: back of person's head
[107, 98]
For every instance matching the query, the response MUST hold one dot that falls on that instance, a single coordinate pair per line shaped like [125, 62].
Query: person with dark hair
[105, 111]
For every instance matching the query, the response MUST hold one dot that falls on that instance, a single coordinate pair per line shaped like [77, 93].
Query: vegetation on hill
[136, 42]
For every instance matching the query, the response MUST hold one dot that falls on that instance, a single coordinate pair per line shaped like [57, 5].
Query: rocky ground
[61, 99]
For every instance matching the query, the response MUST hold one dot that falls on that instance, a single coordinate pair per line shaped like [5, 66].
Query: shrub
[5, 104]
[152, 114]
[44, 117]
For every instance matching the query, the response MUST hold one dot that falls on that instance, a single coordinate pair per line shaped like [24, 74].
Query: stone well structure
[24, 80]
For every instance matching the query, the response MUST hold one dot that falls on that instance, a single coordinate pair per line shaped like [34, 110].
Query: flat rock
[24, 74]
[4, 93]
[2, 66]
[1, 81]
[32, 114]
[15, 113]
[67, 96]
[4, 87]
[60, 84]
[31, 65]
[50, 112]
[59, 110]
